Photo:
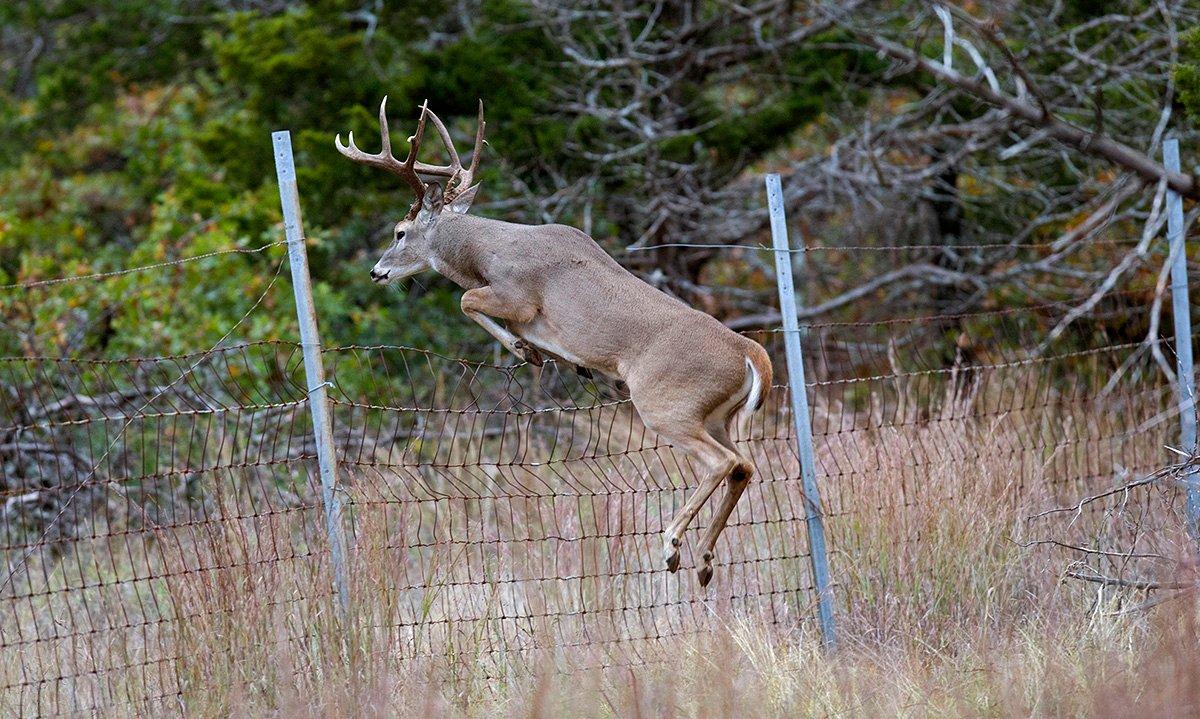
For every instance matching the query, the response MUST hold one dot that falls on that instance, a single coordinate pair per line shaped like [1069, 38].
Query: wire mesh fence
[530, 503]
[498, 509]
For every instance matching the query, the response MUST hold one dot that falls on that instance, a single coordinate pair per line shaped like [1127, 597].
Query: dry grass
[1090, 667]
[943, 608]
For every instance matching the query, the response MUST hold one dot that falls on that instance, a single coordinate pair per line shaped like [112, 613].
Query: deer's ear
[462, 203]
[431, 204]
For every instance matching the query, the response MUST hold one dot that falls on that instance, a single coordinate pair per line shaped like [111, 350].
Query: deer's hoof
[530, 353]
[672, 553]
[705, 572]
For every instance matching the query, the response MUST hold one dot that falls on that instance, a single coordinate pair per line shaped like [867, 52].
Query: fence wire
[497, 510]
[531, 502]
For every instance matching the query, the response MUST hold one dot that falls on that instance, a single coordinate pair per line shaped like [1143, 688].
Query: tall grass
[523, 603]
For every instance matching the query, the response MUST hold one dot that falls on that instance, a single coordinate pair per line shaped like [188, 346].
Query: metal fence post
[1181, 308]
[796, 386]
[314, 369]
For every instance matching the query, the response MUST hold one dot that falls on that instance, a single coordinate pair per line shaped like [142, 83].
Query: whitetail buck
[550, 289]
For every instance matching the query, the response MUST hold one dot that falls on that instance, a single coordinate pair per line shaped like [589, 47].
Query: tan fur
[556, 292]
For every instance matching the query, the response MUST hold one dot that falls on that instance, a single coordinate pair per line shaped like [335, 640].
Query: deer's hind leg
[686, 393]
[739, 479]
[679, 418]
[714, 463]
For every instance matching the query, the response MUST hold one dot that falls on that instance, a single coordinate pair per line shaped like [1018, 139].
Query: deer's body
[551, 289]
[580, 298]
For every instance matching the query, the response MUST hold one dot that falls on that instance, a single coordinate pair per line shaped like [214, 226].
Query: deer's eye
[399, 234]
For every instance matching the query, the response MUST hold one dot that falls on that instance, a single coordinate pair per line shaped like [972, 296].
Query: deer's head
[410, 250]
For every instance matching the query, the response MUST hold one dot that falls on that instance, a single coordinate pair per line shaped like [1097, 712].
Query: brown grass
[948, 606]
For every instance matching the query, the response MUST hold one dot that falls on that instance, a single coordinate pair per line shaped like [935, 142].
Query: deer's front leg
[484, 303]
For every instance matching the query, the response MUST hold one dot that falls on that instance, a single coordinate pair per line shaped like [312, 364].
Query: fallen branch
[1130, 583]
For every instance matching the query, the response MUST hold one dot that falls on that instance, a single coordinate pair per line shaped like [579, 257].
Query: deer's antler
[457, 179]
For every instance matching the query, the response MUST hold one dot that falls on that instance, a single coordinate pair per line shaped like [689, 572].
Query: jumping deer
[550, 290]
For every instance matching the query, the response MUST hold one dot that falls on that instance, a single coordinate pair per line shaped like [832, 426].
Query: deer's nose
[379, 275]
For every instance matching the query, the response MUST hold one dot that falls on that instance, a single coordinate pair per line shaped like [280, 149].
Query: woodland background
[137, 131]
[986, 306]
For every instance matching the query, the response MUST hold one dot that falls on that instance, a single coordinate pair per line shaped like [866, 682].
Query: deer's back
[597, 313]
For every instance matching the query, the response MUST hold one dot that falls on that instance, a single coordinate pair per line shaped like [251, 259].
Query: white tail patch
[745, 402]
[755, 397]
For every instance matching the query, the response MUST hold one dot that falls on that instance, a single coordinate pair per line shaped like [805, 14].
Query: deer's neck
[460, 249]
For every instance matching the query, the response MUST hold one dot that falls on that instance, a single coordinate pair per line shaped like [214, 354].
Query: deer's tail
[758, 367]
[757, 387]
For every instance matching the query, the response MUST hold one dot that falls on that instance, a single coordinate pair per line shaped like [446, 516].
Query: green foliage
[810, 77]
[140, 134]
[91, 49]
[136, 131]
[1187, 73]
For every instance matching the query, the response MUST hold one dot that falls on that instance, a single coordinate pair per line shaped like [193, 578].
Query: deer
[552, 291]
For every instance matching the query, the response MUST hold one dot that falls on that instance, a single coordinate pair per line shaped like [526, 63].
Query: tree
[1024, 171]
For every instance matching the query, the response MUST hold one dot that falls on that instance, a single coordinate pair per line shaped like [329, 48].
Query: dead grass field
[950, 601]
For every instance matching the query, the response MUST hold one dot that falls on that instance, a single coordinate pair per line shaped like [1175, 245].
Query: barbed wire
[948, 317]
[883, 248]
[31, 284]
[146, 359]
[1027, 362]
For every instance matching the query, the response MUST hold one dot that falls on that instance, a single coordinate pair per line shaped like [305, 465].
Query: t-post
[799, 395]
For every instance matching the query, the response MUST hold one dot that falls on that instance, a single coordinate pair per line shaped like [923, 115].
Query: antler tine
[410, 174]
[414, 141]
[448, 171]
[455, 164]
[385, 137]
[457, 179]
[469, 176]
